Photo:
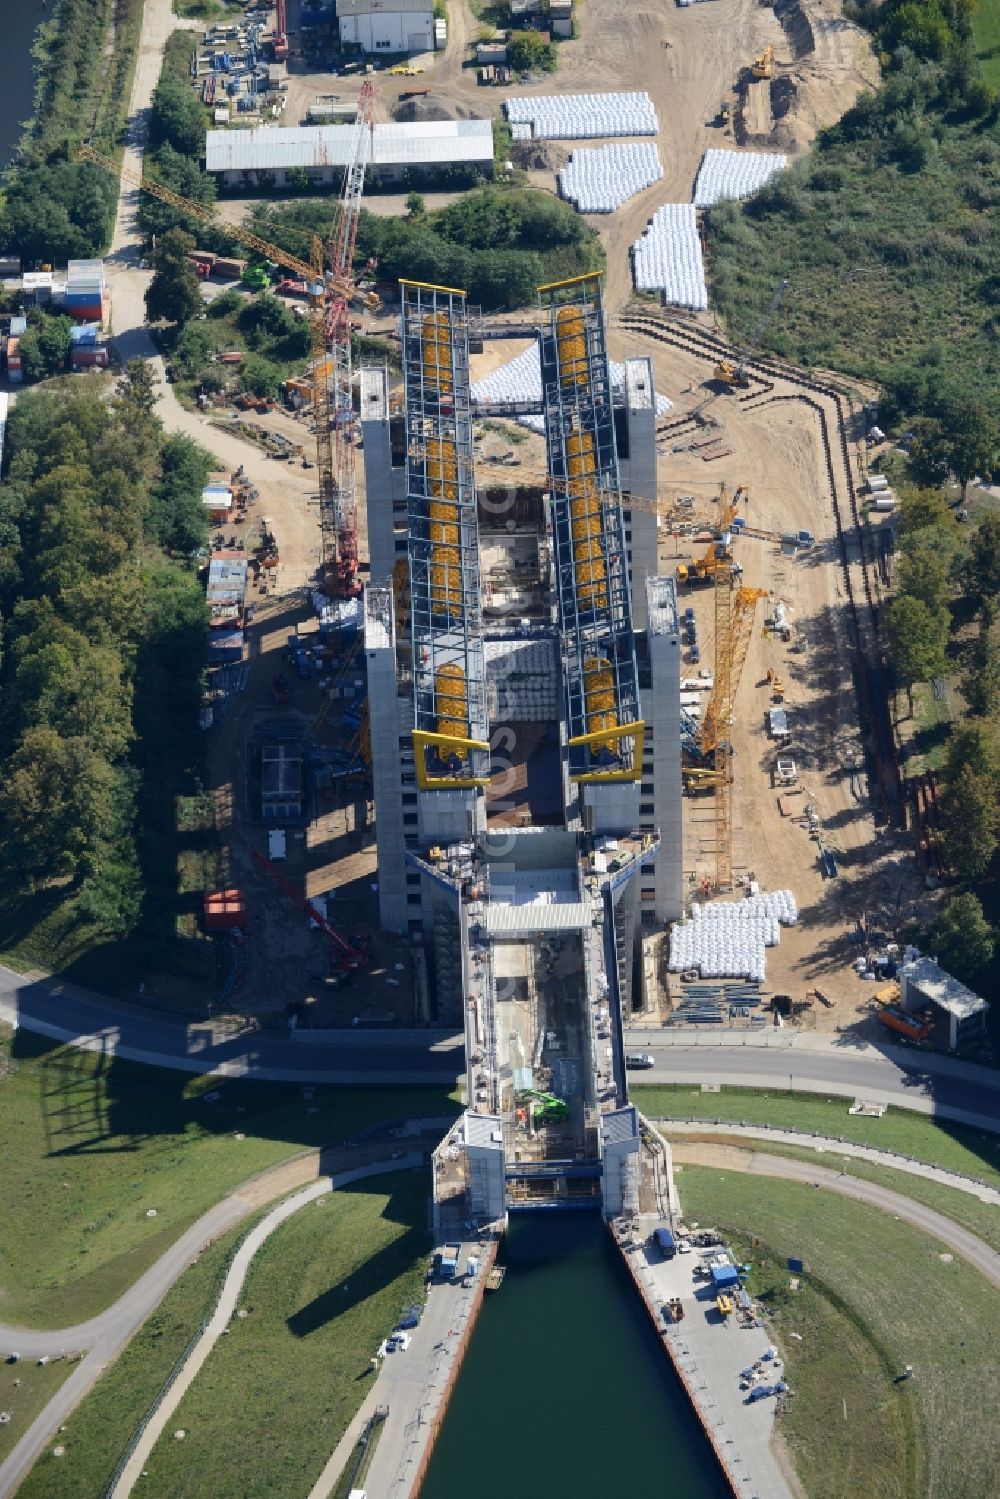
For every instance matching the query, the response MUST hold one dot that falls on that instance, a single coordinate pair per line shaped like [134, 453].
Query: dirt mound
[431, 107]
[539, 156]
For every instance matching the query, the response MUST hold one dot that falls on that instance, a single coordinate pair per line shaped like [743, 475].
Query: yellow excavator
[763, 64]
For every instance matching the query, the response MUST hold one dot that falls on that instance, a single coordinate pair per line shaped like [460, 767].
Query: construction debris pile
[734, 174]
[601, 180]
[726, 939]
[568, 117]
[667, 257]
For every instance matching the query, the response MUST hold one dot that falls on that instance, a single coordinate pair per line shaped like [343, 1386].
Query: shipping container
[224, 910]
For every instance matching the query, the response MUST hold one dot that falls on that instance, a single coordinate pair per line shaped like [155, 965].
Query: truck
[450, 1257]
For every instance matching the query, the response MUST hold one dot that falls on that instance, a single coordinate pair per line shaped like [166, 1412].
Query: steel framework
[590, 557]
[451, 731]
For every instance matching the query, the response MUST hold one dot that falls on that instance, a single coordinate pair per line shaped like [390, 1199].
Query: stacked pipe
[585, 521]
[599, 694]
[451, 702]
[446, 564]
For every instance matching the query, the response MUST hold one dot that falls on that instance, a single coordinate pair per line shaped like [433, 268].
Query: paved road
[978, 1253]
[916, 1080]
[103, 1337]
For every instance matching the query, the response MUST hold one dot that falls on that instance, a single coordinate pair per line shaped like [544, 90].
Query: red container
[224, 910]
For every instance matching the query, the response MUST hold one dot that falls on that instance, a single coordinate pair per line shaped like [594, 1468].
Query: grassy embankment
[271, 1403]
[25, 1389]
[91, 1145]
[975, 1153]
[277, 1394]
[876, 1297]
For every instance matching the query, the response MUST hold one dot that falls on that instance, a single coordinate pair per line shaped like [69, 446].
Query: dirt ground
[689, 60]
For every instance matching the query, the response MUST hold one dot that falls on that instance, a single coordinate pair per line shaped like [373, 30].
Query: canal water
[565, 1392]
[20, 18]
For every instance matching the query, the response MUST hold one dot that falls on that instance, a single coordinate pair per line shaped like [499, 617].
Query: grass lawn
[99, 1429]
[24, 1390]
[277, 1394]
[953, 1146]
[92, 1144]
[980, 1218]
[926, 1437]
[986, 35]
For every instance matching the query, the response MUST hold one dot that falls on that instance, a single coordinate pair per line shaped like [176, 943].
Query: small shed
[924, 982]
[561, 17]
[491, 54]
[777, 723]
[218, 501]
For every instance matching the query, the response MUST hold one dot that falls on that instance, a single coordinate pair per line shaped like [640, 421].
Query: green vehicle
[548, 1108]
[256, 278]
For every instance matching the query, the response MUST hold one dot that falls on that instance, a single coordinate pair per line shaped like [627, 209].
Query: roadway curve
[808, 1063]
[729, 1158]
[104, 1336]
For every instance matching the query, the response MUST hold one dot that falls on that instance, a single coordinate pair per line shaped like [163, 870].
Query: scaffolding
[588, 532]
[451, 732]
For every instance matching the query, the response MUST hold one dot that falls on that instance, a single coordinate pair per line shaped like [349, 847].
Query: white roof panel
[413, 143]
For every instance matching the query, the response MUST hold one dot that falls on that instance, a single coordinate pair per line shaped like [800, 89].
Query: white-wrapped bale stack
[569, 117]
[734, 174]
[602, 179]
[726, 939]
[668, 257]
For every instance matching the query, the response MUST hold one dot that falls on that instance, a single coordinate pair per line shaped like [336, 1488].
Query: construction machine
[330, 295]
[717, 557]
[763, 64]
[735, 374]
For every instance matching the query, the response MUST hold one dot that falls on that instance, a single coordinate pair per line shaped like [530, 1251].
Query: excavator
[734, 375]
[763, 64]
[547, 1107]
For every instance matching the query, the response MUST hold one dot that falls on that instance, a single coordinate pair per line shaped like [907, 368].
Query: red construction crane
[343, 234]
[280, 41]
[345, 957]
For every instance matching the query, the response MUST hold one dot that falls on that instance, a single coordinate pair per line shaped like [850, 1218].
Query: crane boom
[343, 495]
[352, 957]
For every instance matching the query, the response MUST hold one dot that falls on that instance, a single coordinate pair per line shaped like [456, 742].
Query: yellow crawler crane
[446, 564]
[585, 520]
[452, 708]
[599, 695]
[437, 352]
[572, 344]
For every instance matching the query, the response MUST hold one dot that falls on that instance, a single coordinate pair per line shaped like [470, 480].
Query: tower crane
[736, 374]
[329, 303]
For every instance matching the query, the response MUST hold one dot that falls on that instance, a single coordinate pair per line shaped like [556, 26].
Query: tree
[920, 509]
[918, 638]
[981, 683]
[76, 688]
[173, 295]
[924, 574]
[970, 821]
[526, 50]
[177, 118]
[962, 937]
[928, 452]
[969, 437]
[982, 567]
[55, 797]
[46, 344]
[176, 514]
[261, 377]
[415, 205]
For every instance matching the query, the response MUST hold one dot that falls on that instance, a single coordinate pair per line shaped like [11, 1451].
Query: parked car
[639, 1060]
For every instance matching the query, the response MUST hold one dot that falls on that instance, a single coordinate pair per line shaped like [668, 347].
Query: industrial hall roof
[418, 143]
[387, 7]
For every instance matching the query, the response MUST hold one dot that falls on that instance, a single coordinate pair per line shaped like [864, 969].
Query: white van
[277, 845]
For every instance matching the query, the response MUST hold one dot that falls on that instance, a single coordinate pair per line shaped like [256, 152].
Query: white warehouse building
[387, 26]
[264, 155]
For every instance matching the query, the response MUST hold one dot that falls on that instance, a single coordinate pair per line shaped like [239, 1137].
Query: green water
[565, 1392]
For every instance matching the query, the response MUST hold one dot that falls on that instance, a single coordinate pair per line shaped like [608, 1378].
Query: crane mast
[338, 477]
